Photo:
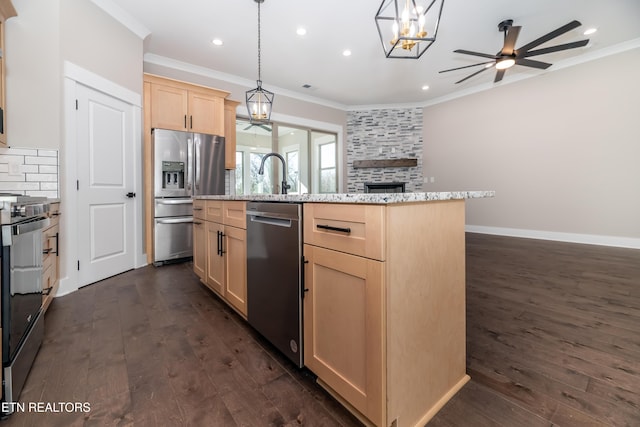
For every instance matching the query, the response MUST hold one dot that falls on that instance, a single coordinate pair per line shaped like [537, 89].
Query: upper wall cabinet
[181, 106]
[6, 11]
[230, 133]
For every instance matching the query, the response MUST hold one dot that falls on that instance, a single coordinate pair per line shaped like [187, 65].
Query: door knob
[131, 195]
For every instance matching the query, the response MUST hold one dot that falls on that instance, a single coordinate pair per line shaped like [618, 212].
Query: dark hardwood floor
[553, 339]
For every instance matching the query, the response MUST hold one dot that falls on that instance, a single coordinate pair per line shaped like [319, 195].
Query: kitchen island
[384, 294]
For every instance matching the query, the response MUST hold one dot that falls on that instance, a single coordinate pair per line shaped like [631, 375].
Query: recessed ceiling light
[346, 52]
[590, 31]
[425, 87]
[217, 42]
[301, 31]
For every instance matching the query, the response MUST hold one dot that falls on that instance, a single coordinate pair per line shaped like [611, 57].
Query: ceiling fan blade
[557, 48]
[468, 52]
[552, 35]
[248, 127]
[499, 75]
[466, 66]
[531, 63]
[471, 75]
[510, 40]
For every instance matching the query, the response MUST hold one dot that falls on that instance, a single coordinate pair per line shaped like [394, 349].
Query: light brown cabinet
[179, 106]
[199, 240]
[230, 133]
[6, 11]
[222, 243]
[51, 256]
[384, 314]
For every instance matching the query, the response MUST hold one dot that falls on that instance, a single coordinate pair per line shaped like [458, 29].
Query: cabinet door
[206, 113]
[168, 107]
[343, 327]
[215, 259]
[236, 267]
[200, 249]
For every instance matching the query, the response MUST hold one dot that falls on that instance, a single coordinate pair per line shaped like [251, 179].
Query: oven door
[22, 247]
[173, 238]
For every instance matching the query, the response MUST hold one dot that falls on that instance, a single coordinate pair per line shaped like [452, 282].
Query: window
[310, 155]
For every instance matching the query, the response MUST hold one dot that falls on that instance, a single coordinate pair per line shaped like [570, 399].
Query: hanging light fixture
[259, 101]
[407, 28]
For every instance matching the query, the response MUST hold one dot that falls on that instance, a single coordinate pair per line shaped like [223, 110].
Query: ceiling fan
[260, 125]
[509, 56]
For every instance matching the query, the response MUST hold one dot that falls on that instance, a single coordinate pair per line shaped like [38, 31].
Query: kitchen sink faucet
[285, 186]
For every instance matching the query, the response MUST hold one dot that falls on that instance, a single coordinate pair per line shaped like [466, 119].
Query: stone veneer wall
[394, 133]
[29, 171]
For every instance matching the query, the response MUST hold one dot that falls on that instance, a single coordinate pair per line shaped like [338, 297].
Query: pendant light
[259, 101]
[407, 28]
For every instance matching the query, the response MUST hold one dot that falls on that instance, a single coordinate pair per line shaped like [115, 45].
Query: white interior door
[105, 153]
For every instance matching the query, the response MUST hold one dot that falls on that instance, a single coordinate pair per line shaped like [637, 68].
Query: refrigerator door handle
[189, 166]
[196, 181]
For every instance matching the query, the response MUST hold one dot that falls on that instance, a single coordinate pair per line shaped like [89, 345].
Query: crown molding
[117, 13]
[151, 58]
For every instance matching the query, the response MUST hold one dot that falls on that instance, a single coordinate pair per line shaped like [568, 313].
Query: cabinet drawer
[213, 211]
[235, 214]
[199, 207]
[354, 229]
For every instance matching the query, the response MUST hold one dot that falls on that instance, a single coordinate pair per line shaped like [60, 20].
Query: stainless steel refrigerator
[186, 164]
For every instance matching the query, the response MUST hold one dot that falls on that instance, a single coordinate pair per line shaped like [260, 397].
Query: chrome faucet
[285, 186]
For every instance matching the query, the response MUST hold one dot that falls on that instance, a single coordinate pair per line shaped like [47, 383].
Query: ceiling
[183, 31]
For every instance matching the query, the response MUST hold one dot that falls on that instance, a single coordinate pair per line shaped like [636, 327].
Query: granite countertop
[371, 198]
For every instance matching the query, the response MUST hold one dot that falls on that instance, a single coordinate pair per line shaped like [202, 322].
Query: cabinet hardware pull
[47, 251]
[218, 242]
[57, 251]
[55, 213]
[222, 236]
[185, 121]
[47, 291]
[197, 209]
[190, 122]
[331, 228]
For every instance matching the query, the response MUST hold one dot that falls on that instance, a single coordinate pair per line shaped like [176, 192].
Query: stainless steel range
[22, 219]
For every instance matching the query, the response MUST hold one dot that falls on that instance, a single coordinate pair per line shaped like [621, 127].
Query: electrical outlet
[432, 179]
[426, 179]
[380, 150]
[393, 150]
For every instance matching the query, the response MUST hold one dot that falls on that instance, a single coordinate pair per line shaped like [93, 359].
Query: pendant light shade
[259, 101]
[407, 28]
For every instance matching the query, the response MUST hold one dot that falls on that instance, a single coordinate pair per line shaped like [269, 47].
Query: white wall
[33, 78]
[562, 151]
[44, 35]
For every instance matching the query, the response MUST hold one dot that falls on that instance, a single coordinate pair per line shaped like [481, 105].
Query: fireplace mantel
[385, 163]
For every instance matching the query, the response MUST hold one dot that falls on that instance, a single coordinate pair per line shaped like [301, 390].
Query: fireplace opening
[384, 187]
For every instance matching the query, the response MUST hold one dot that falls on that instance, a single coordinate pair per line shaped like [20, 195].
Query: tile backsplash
[29, 171]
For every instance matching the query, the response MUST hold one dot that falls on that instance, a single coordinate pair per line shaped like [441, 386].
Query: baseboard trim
[588, 239]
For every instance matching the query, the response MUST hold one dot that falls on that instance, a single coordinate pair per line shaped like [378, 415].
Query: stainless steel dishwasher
[274, 277]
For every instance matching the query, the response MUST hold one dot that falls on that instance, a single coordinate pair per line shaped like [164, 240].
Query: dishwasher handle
[279, 222]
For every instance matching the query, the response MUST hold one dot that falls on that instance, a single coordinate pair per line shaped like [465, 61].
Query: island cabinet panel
[385, 331]
[343, 321]
[199, 240]
[224, 237]
[235, 291]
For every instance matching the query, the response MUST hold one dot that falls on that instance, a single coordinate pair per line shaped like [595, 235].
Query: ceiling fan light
[505, 63]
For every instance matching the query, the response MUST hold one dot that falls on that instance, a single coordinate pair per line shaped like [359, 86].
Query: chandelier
[259, 101]
[407, 28]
